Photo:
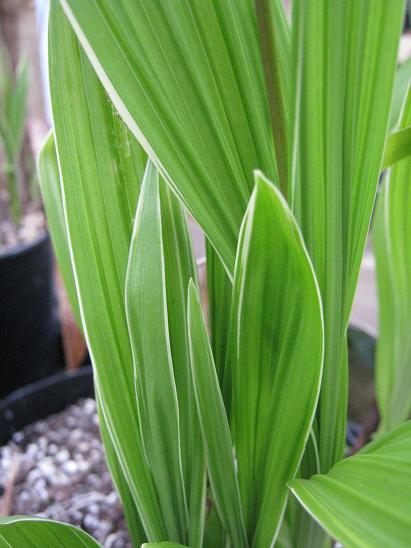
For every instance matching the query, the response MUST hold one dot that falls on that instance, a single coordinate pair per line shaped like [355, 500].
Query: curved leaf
[32, 532]
[101, 167]
[391, 242]
[214, 425]
[364, 501]
[187, 78]
[275, 381]
[398, 147]
[160, 265]
[49, 180]
[344, 60]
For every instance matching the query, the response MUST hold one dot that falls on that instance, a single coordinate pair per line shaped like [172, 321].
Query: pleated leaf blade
[214, 425]
[344, 61]
[364, 501]
[101, 167]
[391, 242]
[277, 342]
[187, 78]
[32, 532]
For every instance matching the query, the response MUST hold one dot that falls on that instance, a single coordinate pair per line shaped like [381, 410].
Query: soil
[56, 468]
[31, 227]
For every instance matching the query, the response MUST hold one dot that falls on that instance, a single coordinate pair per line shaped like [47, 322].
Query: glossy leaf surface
[187, 78]
[101, 170]
[38, 532]
[364, 500]
[344, 61]
[392, 247]
[275, 381]
[214, 425]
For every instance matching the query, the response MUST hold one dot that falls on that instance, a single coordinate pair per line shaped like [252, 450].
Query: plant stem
[12, 174]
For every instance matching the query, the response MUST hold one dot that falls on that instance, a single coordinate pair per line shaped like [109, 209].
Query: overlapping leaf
[344, 59]
[364, 501]
[392, 246]
[38, 532]
[187, 78]
[49, 180]
[160, 266]
[275, 381]
[101, 169]
[214, 426]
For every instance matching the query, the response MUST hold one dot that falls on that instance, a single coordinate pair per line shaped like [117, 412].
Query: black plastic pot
[43, 398]
[30, 341]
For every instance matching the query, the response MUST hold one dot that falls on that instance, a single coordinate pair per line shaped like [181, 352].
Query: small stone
[70, 467]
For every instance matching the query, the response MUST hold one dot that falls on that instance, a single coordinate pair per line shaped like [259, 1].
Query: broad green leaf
[180, 267]
[214, 425]
[391, 242]
[275, 43]
[344, 60]
[397, 148]
[364, 501]
[401, 84]
[187, 78]
[52, 199]
[161, 263]
[49, 180]
[146, 305]
[298, 528]
[35, 532]
[275, 381]
[101, 169]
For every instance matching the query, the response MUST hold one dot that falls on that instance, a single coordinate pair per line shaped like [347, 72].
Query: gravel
[32, 226]
[56, 468]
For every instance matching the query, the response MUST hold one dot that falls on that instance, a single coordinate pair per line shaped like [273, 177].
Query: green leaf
[13, 111]
[397, 148]
[364, 501]
[38, 532]
[101, 169]
[401, 84]
[187, 78]
[219, 290]
[344, 60]
[134, 525]
[391, 242]
[180, 267]
[49, 180]
[149, 334]
[214, 425]
[275, 43]
[275, 381]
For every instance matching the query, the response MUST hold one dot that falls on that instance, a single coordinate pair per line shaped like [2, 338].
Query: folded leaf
[38, 532]
[401, 84]
[187, 78]
[398, 147]
[49, 180]
[219, 289]
[391, 242]
[344, 60]
[275, 380]
[101, 167]
[214, 425]
[146, 306]
[160, 266]
[364, 501]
